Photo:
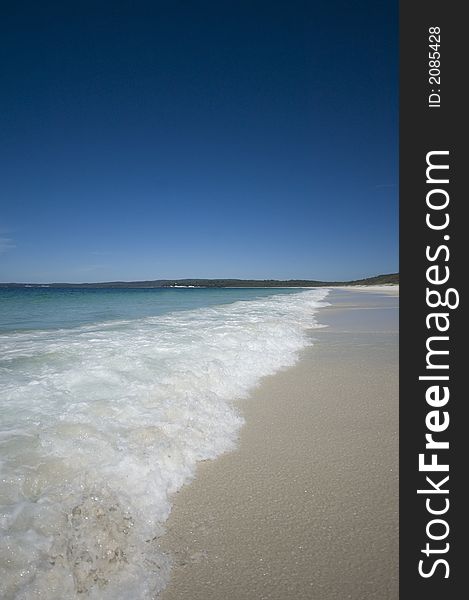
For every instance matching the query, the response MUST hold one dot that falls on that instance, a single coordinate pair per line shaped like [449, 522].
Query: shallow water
[109, 399]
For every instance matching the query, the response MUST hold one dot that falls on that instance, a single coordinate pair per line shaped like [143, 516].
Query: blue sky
[152, 140]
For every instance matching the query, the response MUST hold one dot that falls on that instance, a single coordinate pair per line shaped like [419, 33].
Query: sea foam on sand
[102, 423]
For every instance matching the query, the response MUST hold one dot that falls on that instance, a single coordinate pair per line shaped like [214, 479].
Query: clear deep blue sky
[157, 139]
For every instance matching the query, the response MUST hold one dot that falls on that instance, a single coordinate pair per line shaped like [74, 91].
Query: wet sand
[307, 506]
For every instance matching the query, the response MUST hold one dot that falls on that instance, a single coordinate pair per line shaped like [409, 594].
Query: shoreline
[306, 506]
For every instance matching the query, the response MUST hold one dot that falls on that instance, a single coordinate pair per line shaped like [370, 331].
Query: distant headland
[388, 279]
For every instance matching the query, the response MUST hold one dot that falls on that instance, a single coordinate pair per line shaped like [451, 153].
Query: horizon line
[196, 279]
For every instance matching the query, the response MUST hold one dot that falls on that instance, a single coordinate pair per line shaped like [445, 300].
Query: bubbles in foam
[102, 423]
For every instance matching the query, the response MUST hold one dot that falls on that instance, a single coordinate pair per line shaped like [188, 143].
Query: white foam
[101, 424]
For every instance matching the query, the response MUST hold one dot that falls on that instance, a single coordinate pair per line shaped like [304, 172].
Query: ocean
[109, 398]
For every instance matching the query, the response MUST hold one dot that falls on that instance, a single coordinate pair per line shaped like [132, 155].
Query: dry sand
[307, 506]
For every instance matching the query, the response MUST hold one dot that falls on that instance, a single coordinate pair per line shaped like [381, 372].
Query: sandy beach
[306, 507]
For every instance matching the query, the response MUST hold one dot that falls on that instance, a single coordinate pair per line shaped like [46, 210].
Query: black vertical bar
[429, 123]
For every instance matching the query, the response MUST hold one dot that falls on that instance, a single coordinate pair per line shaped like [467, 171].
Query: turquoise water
[109, 400]
[51, 308]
